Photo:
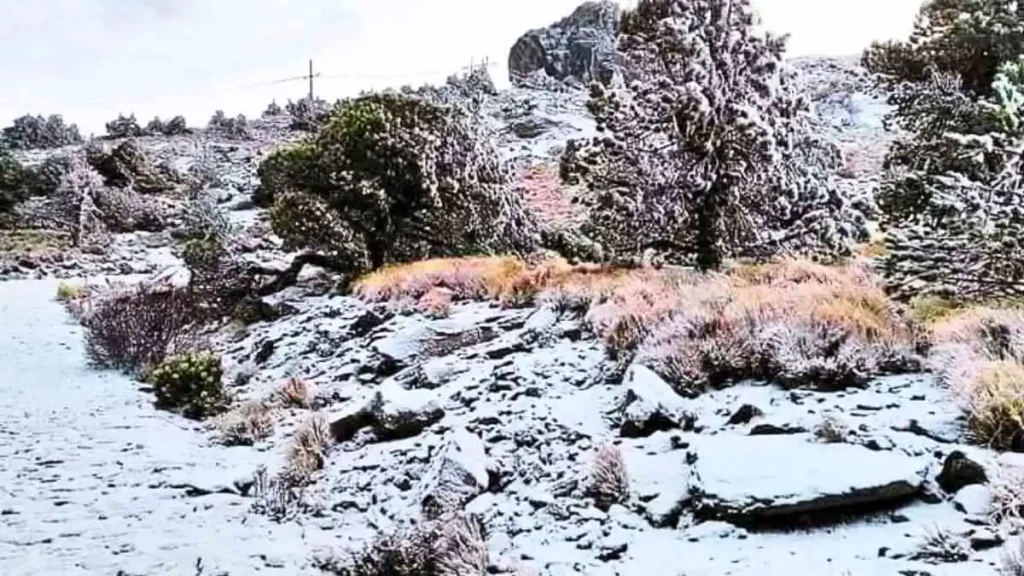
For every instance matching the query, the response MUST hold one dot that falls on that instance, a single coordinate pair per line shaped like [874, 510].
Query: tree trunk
[708, 240]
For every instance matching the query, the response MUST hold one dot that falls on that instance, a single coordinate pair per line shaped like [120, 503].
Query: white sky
[91, 59]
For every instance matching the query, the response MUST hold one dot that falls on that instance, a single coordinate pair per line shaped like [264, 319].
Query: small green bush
[190, 383]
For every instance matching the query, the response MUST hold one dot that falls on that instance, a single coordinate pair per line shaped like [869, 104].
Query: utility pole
[310, 80]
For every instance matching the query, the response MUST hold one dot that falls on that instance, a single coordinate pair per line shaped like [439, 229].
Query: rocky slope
[503, 409]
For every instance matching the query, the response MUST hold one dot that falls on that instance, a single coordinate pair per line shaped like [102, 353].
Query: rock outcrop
[579, 48]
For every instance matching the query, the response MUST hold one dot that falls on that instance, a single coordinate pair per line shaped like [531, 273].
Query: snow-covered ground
[95, 481]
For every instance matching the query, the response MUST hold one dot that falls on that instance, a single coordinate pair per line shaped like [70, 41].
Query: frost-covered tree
[308, 115]
[969, 243]
[969, 38]
[174, 127]
[124, 127]
[707, 154]
[395, 178]
[936, 79]
[36, 132]
[235, 128]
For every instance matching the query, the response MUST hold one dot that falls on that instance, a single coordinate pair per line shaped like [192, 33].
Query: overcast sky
[91, 59]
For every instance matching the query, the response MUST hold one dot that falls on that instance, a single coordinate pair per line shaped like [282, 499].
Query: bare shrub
[609, 482]
[310, 445]
[453, 545]
[943, 545]
[246, 424]
[133, 328]
[831, 430]
[294, 392]
[277, 497]
[1007, 497]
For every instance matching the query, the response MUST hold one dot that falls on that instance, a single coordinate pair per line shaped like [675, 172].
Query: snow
[94, 479]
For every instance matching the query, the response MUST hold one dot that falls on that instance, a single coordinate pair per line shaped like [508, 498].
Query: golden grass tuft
[67, 291]
[294, 392]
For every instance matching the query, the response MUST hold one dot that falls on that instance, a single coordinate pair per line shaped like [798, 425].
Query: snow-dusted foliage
[127, 165]
[308, 115]
[32, 132]
[236, 128]
[393, 178]
[963, 236]
[124, 127]
[970, 38]
[174, 127]
[707, 154]
[14, 180]
[273, 109]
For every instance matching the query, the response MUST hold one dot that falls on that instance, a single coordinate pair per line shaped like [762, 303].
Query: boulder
[650, 405]
[959, 471]
[580, 47]
[783, 479]
[459, 472]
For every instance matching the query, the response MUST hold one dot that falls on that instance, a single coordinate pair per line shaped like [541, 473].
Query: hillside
[411, 397]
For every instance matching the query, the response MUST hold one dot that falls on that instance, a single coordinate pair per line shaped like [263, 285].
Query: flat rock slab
[766, 478]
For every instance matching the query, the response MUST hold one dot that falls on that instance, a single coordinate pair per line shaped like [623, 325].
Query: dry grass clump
[245, 424]
[609, 481]
[942, 544]
[793, 321]
[310, 445]
[435, 284]
[453, 545]
[293, 393]
[67, 291]
[979, 354]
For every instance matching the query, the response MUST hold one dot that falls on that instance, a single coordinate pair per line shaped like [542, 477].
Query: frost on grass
[453, 545]
[979, 354]
[310, 445]
[1012, 563]
[1007, 498]
[943, 545]
[245, 424]
[609, 482]
[831, 430]
[277, 497]
[294, 392]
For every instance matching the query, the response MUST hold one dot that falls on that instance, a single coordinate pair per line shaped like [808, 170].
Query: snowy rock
[974, 500]
[460, 472]
[580, 47]
[392, 412]
[399, 413]
[771, 478]
[650, 405]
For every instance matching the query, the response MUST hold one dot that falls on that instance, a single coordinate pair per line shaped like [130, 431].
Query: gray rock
[771, 478]
[650, 405]
[580, 47]
[458, 473]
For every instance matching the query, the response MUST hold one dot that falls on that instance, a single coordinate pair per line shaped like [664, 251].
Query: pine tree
[705, 155]
[972, 245]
